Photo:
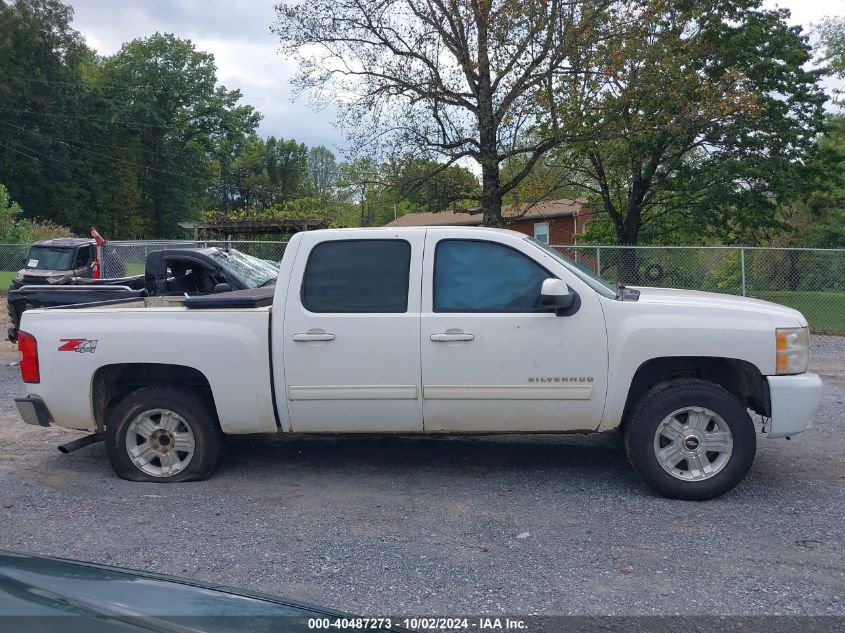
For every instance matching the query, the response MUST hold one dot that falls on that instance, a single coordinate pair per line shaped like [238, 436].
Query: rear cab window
[355, 276]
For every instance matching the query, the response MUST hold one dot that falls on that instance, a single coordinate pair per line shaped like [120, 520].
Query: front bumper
[33, 411]
[795, 400]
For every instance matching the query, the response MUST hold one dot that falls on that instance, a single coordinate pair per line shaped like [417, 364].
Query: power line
[51, 162]
[117, 84]
[220, 186]
[85, 118]
[296, 168]
[113, 158]
[117, 123]
[138, 148]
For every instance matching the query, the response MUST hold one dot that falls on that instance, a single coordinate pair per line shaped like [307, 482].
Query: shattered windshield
[251, 271]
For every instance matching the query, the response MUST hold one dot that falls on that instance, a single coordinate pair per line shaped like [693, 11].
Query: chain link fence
[810, 280]
[124, 259]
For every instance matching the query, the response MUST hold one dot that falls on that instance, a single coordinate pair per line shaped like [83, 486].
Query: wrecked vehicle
[174, 271]
[57, 261]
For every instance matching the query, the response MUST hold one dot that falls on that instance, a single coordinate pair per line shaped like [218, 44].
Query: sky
[238, 33]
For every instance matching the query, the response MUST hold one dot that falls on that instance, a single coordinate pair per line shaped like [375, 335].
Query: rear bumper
[795, 400]
[33, 411]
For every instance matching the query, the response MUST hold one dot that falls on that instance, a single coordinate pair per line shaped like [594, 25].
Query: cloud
[807, 13]
[237, 33]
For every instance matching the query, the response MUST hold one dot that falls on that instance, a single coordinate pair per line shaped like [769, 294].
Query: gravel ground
[512, 525]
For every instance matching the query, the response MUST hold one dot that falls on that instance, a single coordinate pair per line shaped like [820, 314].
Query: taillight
[28, 347]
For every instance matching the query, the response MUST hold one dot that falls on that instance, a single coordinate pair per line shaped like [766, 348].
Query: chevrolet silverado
[426, 330]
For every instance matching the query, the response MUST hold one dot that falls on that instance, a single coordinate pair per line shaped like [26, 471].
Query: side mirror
[222, 288]
[555, 294]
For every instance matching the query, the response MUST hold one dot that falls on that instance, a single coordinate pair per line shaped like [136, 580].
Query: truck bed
[227, 344]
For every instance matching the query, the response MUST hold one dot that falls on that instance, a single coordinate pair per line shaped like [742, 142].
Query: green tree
[168, 101]
[707, 117]
[323, 173]
[816, 213]
[427, 185]
[15, 229]
[257, 174]
[12, 230]
[831, 33]
[130, 143]
[44, 109]
[364, 183]
[287, 169]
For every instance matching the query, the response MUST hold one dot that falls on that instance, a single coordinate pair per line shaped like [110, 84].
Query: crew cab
[426, 330]
[171, 271]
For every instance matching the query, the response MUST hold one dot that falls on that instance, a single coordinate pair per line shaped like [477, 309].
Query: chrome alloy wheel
[160, 443]
[693, 444]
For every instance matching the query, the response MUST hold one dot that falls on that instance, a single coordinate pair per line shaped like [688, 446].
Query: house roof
[540, 210]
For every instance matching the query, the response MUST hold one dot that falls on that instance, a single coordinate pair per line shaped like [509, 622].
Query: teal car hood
[50, 594]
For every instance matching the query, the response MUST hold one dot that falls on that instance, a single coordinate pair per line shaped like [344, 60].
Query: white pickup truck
[426, 330]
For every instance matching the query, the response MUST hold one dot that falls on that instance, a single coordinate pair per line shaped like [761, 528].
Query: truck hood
[710, 300]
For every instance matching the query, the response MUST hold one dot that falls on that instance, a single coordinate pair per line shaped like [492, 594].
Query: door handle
[445, 337]
[313, 336]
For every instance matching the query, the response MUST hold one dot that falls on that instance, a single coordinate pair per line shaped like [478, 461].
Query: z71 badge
[81, 345]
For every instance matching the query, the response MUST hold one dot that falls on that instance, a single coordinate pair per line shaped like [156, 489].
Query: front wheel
[163, 434]
[690, 439]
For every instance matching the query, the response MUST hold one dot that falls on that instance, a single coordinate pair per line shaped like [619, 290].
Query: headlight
[793, 350]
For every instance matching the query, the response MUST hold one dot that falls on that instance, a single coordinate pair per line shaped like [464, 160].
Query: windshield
[49, 258]
[251, 271]
[595, 282]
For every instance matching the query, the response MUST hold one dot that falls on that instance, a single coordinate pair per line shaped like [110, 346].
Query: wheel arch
[111, 383]
[739, 377]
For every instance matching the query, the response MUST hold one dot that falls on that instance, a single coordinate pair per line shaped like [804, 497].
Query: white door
[351, 334]
[491, 359]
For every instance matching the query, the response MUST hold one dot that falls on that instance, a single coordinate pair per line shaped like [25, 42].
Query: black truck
[174, 271]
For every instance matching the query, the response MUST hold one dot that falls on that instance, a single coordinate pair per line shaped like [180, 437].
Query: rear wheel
[163, 434]
[690, 439]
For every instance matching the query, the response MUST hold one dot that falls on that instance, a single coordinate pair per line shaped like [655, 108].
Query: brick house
[550, 221]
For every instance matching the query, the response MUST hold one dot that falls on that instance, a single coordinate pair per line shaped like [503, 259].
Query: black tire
[669, 397]
[194, 412]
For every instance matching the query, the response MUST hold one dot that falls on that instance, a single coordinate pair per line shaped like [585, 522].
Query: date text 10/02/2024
[419, 623]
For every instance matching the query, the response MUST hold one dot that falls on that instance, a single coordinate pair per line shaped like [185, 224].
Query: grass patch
[133, 269]
[825, 311]
[6, 277]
